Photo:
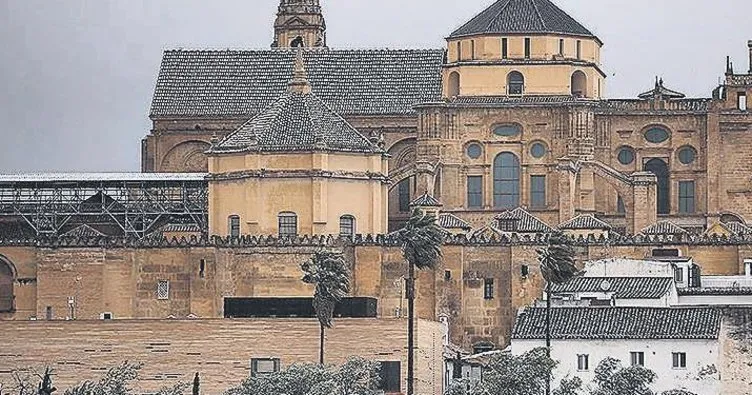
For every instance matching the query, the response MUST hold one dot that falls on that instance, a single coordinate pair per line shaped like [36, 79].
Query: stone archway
[660, 168]
[186, 157]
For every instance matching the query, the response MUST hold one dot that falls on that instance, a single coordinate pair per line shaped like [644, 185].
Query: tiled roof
[522, 16]
[181, 228]
[707, 291]
[661, 91]
[451, 221]
[241, 83]
[296, 121]
[426, 200]
[526, 222]
[663, 228]
[622, 287]
[83, 231]
[738, 228]
[585, 221]
[619, 323]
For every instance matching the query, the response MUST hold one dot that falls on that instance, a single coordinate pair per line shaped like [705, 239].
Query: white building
[681, 345]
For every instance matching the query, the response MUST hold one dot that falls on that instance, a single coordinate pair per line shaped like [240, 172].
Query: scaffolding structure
[113, 204]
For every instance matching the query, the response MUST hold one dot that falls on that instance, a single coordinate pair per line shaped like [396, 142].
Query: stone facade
[221, 350]
[121, 278]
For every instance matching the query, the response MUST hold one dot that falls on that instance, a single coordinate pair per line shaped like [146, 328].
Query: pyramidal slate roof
[297, 121]
[451, 221]
[660, 91]
[663, 228]
[523, 16]
[525, 222]
[586, 222]
[241, 83]
[622, 287]
[619, 323]
[426, 200]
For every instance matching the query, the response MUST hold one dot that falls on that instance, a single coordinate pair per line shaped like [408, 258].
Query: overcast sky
[77, 76]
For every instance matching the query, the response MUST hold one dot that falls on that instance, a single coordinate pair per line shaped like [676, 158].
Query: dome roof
[523, 16]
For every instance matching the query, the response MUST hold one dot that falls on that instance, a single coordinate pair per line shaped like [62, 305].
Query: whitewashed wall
[701, 355]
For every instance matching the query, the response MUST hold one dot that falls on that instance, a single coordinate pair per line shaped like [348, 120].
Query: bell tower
[299, 23]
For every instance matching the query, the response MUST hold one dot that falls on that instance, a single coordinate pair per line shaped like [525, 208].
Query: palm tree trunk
[321, 345]
[410, 318]
[548, 334]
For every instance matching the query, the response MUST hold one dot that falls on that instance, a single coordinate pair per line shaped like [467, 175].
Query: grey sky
[77, 75]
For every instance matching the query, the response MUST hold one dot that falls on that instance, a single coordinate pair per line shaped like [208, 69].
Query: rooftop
[241, 83]
[524, 222]
[622, 287]
[612, 323]
[523, 17]
[586, 222]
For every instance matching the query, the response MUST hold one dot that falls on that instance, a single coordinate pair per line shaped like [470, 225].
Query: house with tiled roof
[615, 291]
[681, 345]
[586, 225]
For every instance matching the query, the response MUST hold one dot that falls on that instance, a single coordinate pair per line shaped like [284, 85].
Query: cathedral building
[258, 158]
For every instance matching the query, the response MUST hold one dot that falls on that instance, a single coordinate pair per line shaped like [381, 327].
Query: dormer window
[515, 83]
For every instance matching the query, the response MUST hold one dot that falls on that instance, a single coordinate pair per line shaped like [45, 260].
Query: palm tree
[557, 267]
[328, 271]
[421, 241]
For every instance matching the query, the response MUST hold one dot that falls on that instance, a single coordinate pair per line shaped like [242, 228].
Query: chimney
[749, 45]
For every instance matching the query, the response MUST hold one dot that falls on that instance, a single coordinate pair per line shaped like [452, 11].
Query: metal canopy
[116, 204]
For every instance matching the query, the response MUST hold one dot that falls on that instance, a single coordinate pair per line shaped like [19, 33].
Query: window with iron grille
[264, 366]
[488, 288]
[637, 358]
[679, 360]
[288, 224]
[583, 364]
[163, 290]
[687, 197]
[475, 192]
[233, 225]
[347, 225]
[538, 191]
[404, 196]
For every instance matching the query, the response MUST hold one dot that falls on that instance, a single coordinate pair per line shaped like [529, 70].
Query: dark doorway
[660, 169]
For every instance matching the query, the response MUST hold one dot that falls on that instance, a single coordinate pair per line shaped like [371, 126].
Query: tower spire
[299, 23]
[299, 82]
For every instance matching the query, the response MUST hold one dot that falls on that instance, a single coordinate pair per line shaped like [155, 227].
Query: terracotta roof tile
[623, 287]
[619, 323]
[451, 221]
[525, 222]
[585, 221]
[663, 228]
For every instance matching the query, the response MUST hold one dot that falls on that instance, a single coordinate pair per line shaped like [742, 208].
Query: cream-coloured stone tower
[299, 23]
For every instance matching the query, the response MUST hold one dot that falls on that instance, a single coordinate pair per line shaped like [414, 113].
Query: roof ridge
[490, 22]
[540, 17]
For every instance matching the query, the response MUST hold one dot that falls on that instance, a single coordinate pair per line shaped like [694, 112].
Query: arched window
[288, 224]
[506, 181]
[579, 84]
[6, 286]
[454, 84]
[515, 83]
[347, 225]
[660, 169]
[621, 208]
[233, 226]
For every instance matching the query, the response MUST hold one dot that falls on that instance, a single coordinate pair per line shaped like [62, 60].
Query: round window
[474, 151]
[626, 156]
[538, 150]
[687, 155]
[656, 135]
[507, 130]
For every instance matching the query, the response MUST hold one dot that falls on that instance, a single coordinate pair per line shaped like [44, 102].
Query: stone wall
[220, 349]
[122, 279]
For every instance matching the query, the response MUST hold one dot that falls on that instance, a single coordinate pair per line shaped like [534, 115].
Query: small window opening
[637, 358]
[488, 288]
[264, 366]
[48, 313]
[742, 101]
[504, 48]
[678, 275]
[472, 49]
[233, 225]
[447, 275]
[106, 316]
[525, 271]
[163, 290]
[583, 364]
[202, 268]
[527, 48]
[561, 47]
[579, 49]
[679, 360]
